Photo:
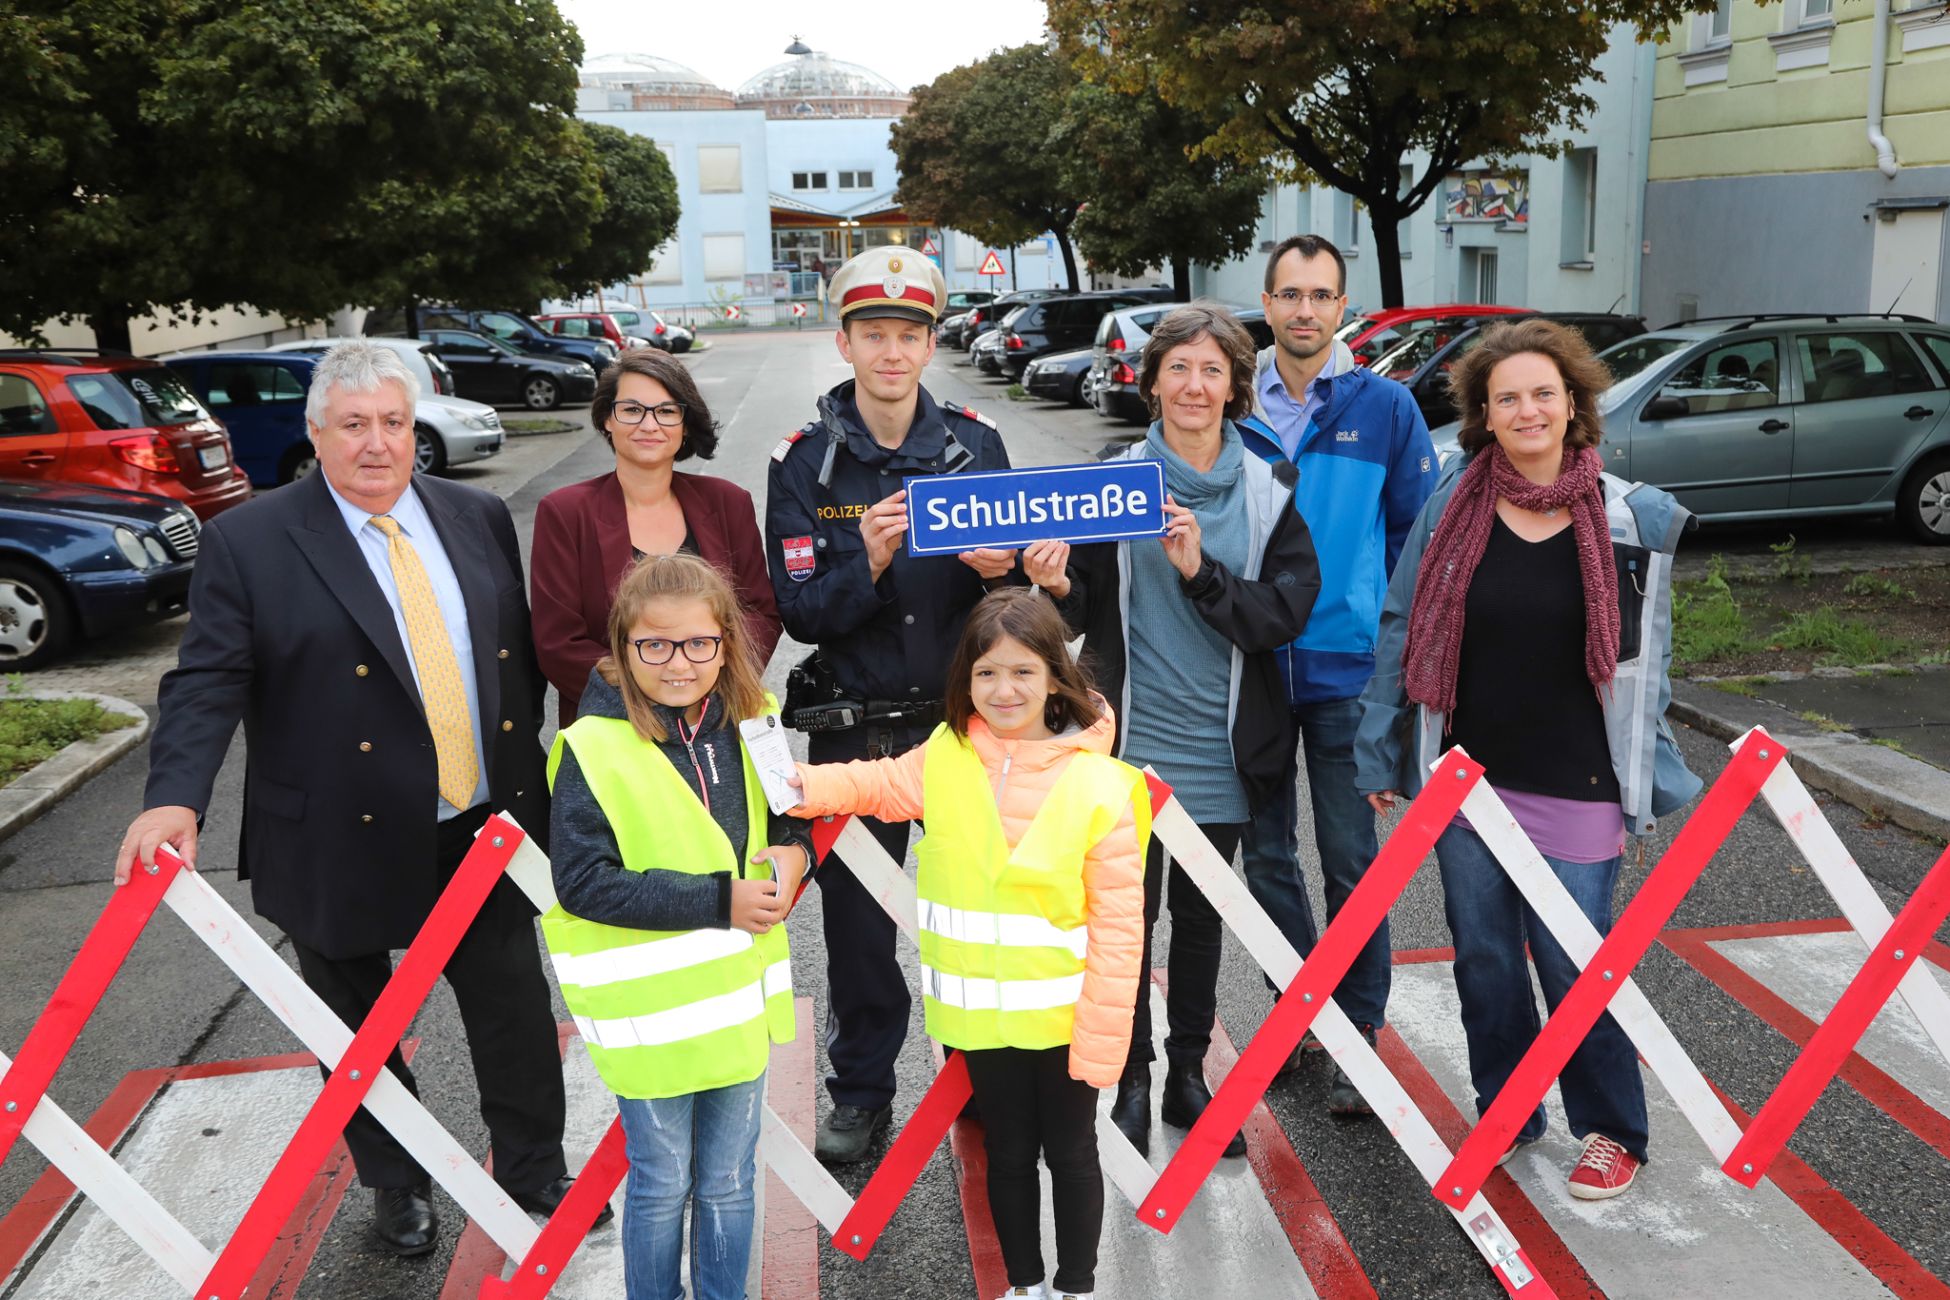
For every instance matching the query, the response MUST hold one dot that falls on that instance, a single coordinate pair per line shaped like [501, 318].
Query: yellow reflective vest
[667, 1012]
[1003, 932]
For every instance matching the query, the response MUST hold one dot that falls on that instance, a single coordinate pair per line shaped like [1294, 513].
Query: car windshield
[626, 320]
[1412, 353]
[1350, 328]
[1634, 355]
[137, 399]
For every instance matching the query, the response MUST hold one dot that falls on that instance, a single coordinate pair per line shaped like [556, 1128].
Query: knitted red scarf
[1433, 647]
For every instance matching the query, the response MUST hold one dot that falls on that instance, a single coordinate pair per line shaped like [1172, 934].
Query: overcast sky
[730, 40]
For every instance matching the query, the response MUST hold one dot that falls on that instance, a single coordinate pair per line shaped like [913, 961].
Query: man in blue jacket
[1365, 466]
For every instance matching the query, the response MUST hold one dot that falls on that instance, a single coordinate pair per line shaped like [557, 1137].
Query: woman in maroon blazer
[649, 411]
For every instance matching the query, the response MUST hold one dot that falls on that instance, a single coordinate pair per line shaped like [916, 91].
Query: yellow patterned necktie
[433, 656]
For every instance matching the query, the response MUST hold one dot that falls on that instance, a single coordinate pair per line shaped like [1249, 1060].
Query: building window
[666, 264]
[724, 257]
[1719, 23]
[1812, 9]
[1478, 275]
[1579, 238]
[856, 180]
[810, 180]
[719, 169]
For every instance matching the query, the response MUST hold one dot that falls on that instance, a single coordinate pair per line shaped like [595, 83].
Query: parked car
[1757, 417]
[948, 333]
[982, 318]
[1423, 360]
[260, 397]
[1055, 325]
[448, 430]
[960, 300]
[512, 328]
[488, 370]
[1372, 333]
[987, 352]
[591, 325]
[80, 560]
[1059, 376]
[78, 415]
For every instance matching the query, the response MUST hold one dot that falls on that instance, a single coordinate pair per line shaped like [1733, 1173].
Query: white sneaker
[1076, 1295]
[1025, 1293]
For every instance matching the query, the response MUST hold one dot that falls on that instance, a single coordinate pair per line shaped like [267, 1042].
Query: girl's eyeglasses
[655, 651]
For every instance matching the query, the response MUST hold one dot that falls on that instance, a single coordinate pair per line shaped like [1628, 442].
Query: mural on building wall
[1486, 196]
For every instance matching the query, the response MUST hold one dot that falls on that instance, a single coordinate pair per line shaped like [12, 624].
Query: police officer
[884, 622]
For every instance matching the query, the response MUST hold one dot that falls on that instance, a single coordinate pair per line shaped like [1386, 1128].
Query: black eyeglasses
[655, 651]
[1318, 297]
[630, 414]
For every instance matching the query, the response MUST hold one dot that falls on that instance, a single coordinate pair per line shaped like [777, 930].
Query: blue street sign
[947, 513]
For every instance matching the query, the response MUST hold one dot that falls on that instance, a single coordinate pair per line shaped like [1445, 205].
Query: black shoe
[403, 1219]
[1343, 1098]
[1131, 1112]
[1186, 1098]
[846, 1134]
[544, 1200]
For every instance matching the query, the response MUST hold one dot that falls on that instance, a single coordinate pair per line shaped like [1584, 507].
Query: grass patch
[32, 731]
[1876, 587]
[1747, 686]
[1889, 743]
[1706, 620]
[1016, 393]
[1838, 640]
[522, 426]
[1822, 722]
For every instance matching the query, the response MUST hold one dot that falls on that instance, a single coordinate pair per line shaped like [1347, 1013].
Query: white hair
[359, 366]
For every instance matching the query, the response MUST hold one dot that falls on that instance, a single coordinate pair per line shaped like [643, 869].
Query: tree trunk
[413, 320]
[1069, 258]
[1385, 220]
[111, 326]
[1181, 278]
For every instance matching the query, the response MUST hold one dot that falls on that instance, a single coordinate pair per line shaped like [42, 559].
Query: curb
[36, 791]
[1879, 781]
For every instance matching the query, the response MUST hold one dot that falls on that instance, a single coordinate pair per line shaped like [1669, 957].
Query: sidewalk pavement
[1830, 721]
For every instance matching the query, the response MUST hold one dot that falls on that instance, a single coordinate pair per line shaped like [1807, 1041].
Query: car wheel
[1924, 506]
[541, 394]
[1080, 389]
[298, 462]
[429, 452]
[681, 345]
[35, 625]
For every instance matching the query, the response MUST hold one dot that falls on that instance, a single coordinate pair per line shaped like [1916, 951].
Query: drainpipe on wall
[1878, 72]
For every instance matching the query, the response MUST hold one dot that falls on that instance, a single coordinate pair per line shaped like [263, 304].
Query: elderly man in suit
[370, 632]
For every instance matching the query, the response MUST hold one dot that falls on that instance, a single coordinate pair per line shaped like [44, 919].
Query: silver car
[1757, 417]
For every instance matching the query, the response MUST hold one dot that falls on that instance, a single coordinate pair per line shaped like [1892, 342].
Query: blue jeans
[1602, 1089]
[1344, 836]
[697, 1148]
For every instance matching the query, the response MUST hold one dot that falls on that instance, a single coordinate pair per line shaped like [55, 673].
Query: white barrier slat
[1861, 906]
[1572, 929]
[1406, 1123]
[96, 1175]
[785, 1155]
[1129, 1171]
[287, 996]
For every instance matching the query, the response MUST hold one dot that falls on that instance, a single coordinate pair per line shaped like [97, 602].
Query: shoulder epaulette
[977, 416]
[780, 452]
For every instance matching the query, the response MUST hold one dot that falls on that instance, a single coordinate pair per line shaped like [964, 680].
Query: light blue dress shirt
[411, 515]
[1292, 418]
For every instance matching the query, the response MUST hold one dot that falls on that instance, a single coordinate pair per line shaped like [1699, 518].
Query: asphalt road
[174, 1004]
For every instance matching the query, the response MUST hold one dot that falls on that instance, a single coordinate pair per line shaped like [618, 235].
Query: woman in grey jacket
[1529, 621]
[1183, 640]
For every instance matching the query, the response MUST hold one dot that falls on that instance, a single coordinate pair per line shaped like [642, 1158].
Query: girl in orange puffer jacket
[1031, 909]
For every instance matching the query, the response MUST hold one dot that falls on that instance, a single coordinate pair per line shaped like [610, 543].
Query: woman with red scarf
[1529, 621]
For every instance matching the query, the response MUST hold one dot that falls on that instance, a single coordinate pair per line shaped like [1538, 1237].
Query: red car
[104, 418]
[1373, 333]
[589, 325]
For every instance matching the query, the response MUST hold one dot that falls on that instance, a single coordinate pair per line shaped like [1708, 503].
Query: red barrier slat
[1635, 931]
[542, 1266]
[1425, 819]
[1843, 1027]
[80, 991]
[359, 1068]
[1160, 791]
[910, 1153]
[824, 831]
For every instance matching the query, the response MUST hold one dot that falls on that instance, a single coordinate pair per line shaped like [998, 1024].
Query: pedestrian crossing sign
[991, 265]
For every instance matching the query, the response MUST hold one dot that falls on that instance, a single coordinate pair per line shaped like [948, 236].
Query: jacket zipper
[689, 738]
[1002, 780]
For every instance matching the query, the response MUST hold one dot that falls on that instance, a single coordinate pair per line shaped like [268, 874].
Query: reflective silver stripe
[693, 1020]
[1001, 995]
[1005, 929]
[777, 978]
[639, 960]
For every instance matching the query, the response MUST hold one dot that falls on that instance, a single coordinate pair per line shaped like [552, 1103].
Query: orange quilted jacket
[1113, 870]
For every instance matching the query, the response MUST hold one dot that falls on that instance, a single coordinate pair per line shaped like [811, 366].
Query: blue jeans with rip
[1602, 1089]
[696, 1149]
[1344, 837]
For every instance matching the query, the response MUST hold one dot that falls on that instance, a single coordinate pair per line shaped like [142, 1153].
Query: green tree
[1341, 92]
[974, 151]
[1150, 201]
[639, 211]
[292, 156]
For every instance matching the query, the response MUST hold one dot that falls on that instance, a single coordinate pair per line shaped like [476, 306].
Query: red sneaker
[1604, 1169]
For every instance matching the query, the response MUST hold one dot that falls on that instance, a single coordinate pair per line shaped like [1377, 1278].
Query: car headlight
[584, 368]
[132, 550]
[474, 422]
[154, 546]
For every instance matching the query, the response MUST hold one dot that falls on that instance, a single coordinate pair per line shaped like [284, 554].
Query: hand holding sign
[881, 528]
[1181, 539]
[1047, 564]
[989, 562]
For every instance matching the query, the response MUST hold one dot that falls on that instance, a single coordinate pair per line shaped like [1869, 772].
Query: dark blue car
[80, 561]
[260, 397]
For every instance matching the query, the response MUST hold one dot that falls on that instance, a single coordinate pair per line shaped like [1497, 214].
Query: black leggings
[1197, 936]
[1029, 1101]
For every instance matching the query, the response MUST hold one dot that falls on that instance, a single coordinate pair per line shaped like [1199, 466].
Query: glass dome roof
[812, 83]
[647, 72]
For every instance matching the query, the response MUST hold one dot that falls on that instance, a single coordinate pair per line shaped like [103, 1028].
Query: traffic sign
[732, 311]
[927, 246]
[991, 265]
[799, 309]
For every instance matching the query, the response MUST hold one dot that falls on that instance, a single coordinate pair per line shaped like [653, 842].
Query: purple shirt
[1570, 830]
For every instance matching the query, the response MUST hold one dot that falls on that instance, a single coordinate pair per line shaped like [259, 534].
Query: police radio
[814, 701]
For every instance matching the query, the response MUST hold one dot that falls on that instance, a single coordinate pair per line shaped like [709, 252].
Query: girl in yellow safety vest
[673, 879]
[1031, 911]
